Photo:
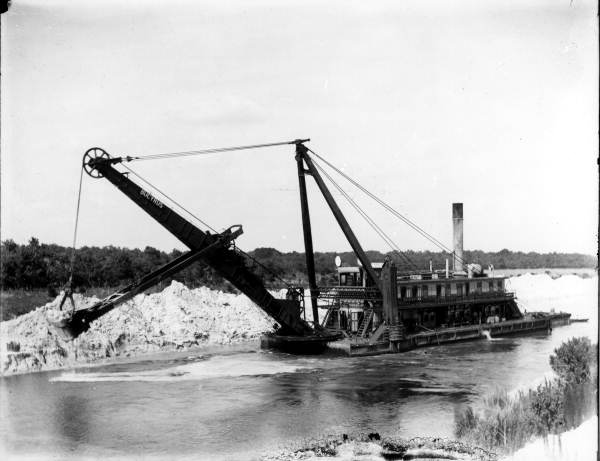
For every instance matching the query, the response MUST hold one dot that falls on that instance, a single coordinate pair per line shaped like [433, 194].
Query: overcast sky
[426, 103]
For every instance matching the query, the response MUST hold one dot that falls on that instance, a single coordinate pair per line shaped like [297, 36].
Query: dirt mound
[176, 318]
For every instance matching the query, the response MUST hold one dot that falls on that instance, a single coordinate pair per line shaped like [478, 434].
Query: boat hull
[313, 344]
[356, 347]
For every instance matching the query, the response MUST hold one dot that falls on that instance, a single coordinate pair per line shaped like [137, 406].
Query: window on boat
[479, 288]
[459, 289]
[424, 290]
[448, 289]
[415, 291]
[402, 292]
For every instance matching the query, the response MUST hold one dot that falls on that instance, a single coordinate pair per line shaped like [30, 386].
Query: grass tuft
[507, 422]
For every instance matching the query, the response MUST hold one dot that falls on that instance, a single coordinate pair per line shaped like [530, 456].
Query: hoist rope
[378, 230]
[389, 208]
[72, 262]
[206, 151]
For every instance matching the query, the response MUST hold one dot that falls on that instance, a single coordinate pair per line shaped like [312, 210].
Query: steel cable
[207, 151]
[72, 262]
[237, 249]
[171, 199]
[389, 208]
[386, 238]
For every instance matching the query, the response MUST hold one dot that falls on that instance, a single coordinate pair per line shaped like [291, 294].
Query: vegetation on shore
[38, 265]
[507, 422]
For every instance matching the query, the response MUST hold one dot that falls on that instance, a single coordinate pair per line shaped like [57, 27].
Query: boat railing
[349, 292]
[373, 294]
[484, 325]
[444, 299]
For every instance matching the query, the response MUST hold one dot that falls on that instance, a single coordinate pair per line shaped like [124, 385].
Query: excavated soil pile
[176, 318]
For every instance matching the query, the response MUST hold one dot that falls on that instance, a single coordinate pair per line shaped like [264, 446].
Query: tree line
[42, 265]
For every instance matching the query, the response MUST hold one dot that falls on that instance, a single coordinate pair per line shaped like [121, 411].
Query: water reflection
[72, 418]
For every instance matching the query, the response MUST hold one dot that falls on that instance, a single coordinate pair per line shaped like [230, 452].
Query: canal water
[240, 403]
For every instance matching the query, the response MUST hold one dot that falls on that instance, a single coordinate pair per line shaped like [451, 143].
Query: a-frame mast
[303, 159]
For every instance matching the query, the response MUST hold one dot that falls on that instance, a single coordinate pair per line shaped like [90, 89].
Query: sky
[425, 103]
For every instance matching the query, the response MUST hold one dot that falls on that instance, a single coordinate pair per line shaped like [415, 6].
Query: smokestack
[457, 221]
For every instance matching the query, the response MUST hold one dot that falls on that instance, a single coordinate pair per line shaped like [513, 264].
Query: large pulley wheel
[91, 157]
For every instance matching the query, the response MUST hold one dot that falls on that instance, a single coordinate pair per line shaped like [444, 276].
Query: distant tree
[36, 265]
[11, 266]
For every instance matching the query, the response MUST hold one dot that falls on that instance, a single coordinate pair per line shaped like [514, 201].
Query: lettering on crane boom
[152, 198]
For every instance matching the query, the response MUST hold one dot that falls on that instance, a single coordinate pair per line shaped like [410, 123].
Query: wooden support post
[390, 293]
[308, 246]
[352, 240]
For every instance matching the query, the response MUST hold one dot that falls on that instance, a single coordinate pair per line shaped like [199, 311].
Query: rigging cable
[239, 250]
[407, 221]
[170, 199]
[381, 202]
[386, 238]
[209, 151]
[367, 218]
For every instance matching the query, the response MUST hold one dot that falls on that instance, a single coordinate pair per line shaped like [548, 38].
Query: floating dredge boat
[430, 307]
[375, 307]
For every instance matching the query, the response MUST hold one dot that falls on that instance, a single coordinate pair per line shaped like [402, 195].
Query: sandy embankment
[570, 293]
[176, 318]
[578, 444]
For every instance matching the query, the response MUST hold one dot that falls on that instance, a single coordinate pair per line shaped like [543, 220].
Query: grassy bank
[506, 422]
[16, 302]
